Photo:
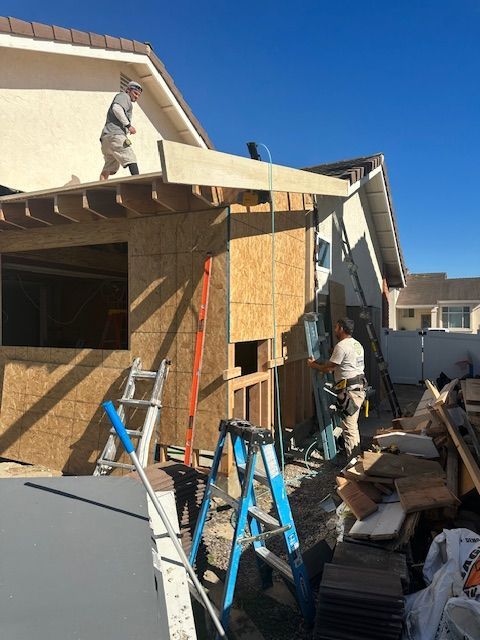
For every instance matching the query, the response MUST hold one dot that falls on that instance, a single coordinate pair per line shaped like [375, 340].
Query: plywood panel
[46, 428]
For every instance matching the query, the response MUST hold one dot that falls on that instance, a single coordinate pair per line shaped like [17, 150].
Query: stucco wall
[363, 242]
[411, 324]
[53, 109]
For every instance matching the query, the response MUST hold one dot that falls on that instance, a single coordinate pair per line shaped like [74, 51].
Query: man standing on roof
[347, 364]
[116, 147]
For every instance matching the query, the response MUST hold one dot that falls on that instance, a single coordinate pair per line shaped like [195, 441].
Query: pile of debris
[412, 501]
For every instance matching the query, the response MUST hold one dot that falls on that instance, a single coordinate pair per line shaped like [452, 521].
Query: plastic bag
[460, 620]
[452, 569]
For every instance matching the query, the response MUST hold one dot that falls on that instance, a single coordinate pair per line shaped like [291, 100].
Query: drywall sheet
[67, 572]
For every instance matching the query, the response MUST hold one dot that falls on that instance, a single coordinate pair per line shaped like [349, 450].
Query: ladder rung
[265, 518]
[223, 495]
[101, 462]
[260, 476]
[262, 516]
[275, 562]
[145, 375]
[131, 402]
[131, 433]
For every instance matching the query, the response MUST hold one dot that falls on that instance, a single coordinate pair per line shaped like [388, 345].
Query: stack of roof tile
[356, 603]
[188, 486]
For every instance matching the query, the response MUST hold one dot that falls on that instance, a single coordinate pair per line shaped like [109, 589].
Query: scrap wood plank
[419, 493]
[368, 488]
[415, 424]
[412, 443]
[360, 504]
[384, 524]
[388, 465]
[357, 472]
[427, 398]
[442, 398]
[463, 450]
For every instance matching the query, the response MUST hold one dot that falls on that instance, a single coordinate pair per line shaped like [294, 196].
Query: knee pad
[133, 166]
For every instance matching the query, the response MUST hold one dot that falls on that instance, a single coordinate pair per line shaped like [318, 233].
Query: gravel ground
[274, 620]
[277, 621]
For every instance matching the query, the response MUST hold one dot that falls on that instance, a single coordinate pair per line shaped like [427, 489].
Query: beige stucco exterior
[364, 246]
[405, 323]
[60, 96]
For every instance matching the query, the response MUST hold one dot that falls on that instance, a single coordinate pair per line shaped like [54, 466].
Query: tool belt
[345, 405]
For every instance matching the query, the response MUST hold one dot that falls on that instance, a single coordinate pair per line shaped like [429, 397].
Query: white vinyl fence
[413, 356]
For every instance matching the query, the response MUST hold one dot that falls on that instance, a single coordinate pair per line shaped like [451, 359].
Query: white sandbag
[451, 570]
[460, 620]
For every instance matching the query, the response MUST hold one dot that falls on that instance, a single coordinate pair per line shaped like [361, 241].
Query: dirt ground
[274, 614]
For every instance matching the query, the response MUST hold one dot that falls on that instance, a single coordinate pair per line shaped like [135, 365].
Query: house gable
[58, 83]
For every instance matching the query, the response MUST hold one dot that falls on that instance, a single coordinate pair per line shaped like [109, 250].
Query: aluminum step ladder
[143, 436]
[317, 347]
[248, 441]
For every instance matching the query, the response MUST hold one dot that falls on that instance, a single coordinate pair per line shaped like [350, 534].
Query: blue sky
[320, 81]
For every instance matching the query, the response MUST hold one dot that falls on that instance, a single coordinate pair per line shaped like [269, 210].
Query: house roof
[353, 169]
[431, 288]
[53, 33]
[359, 169]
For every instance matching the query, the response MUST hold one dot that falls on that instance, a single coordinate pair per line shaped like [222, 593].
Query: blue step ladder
[247, 442]
[317, 347]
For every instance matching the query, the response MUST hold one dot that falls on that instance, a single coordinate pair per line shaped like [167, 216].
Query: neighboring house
[432, 300]
[369, 218]
[56, 85]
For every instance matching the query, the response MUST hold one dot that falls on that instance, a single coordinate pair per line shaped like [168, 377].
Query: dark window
[66, 297]
[246, 356]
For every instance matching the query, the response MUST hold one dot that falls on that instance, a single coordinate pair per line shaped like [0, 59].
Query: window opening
[456, 317]
[70, 297]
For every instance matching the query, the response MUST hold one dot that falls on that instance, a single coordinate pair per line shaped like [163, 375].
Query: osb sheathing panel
[166, 258]
[51, 413]
[251, 315]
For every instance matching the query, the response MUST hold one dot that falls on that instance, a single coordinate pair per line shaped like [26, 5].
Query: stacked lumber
[188, 486]
[358, 603]
[405, 473]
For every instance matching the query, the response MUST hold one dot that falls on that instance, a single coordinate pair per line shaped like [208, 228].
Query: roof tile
[80, 37]
[21, 27]
[98, 41]
[113, 43]
[43, 30]
[62, 34]
[4, 25]
[127, 45]
[140, 47]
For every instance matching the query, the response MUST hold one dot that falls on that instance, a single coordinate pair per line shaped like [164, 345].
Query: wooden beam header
[184, 164]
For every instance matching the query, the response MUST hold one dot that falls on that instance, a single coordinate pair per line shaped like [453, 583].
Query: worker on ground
[116, 146]
[347, 364]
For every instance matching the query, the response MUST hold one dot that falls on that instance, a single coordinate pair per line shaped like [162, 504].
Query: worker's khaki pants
[351, 434]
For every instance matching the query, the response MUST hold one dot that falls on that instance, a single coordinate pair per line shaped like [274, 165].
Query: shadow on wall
[177, 284]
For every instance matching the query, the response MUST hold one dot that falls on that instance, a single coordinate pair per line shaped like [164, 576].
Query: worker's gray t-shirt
[113, 126]
[349, 357]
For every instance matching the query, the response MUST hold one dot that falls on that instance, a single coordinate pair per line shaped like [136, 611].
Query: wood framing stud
[42, 209]
[71, 206]
[6, 225]
[16, 213]
[170, 197]
[137, 198]
[103, 203]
